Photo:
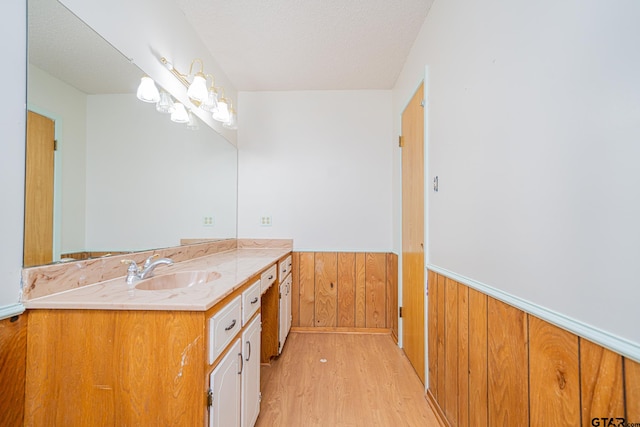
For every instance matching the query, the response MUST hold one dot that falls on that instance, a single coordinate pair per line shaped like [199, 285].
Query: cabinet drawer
[268, 277]
[250, 302]
[223, 326]
[284, 267]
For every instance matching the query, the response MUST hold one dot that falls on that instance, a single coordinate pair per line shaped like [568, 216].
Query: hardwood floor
[337, 379]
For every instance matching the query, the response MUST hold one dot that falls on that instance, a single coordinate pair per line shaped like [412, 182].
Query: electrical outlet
[265, 221]
[207, 221]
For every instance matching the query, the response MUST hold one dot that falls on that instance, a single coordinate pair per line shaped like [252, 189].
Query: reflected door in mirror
[38, 222]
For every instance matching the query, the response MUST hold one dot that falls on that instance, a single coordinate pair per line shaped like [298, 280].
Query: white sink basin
[181, 279]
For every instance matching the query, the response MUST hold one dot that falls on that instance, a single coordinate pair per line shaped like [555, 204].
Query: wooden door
[38, 208]
[413, 333]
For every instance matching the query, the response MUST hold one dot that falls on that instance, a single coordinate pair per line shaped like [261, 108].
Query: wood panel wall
[492, 364]
[13, 362]
[345, 290]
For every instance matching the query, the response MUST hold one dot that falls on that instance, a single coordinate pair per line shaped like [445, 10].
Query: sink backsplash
[53, 278]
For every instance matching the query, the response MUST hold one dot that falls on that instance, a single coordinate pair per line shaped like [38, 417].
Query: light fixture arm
[201, 67]
[178, 74]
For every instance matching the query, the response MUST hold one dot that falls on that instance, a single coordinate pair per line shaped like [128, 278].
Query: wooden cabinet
[276, 307]
[143, 367]
[225, 389]
[251, 373]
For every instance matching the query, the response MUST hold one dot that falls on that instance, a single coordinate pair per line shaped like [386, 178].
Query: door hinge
[209, 398]
[423, 103]
[55, 145]
[400, 141]
[400, 311]
[260, 397]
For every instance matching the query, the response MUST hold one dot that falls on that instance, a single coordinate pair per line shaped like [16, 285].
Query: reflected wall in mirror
[126, 178]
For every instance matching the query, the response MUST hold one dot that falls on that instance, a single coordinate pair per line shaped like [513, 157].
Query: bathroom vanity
[156, 353]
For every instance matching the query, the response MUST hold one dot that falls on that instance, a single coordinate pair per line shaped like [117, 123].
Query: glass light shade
[211, 103]
[232, 123]
[147, 90]
[165, 104]
[180, 113]
[193, 122]
[222, 113]
[197, 91]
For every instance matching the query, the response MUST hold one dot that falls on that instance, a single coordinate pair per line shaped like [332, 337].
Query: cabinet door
[285, 312]
[225, 383]
[282, 317]
[289, 283]
[251, 373]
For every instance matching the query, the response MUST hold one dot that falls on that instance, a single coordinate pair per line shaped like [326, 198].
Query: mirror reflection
[123, 177]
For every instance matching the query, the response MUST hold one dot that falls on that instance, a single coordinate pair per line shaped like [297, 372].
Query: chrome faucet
[135, 273]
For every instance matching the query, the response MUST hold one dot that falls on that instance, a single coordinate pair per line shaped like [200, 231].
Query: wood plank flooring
[339, 379]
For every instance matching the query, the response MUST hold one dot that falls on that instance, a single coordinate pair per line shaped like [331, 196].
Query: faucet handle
[147, 262]
[132, 272]
[132, 264]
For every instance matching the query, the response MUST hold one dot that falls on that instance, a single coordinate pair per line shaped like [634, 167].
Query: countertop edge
[57, 301]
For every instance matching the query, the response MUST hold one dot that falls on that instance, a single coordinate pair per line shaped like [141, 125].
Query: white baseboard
[11, 310]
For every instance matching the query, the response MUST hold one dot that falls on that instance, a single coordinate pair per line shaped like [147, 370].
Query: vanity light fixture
[180, 113]
[201, 97]
[147, 90]
[209, 99]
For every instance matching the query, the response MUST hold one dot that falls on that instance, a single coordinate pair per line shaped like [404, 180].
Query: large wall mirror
[124, 177]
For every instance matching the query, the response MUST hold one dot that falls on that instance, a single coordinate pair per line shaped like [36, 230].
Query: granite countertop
[235, 268]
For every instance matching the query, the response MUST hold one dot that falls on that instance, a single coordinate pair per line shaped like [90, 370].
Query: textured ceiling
[66, 48]
[308, 44]
[260, 44]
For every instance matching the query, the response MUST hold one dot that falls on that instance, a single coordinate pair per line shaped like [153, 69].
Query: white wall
[319, 163]
[13, 45]
[150, 182]
[66, 105]
[534, 123]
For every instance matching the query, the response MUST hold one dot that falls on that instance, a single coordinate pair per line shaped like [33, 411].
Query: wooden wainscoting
[348, 290]
[492, 364]
[13, 362]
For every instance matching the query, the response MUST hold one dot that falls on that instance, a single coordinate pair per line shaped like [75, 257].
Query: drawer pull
[255, 300]
[271, 277]
[231, 325]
